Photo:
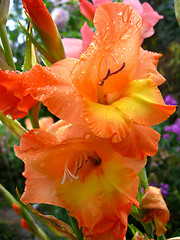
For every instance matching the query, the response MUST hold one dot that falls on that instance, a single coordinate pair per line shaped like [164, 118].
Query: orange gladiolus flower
[45, 27]
[69, 167]
[12, 98]
[155, 209]
[116, 92]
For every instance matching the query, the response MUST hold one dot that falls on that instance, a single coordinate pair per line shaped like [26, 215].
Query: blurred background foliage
[164, 168]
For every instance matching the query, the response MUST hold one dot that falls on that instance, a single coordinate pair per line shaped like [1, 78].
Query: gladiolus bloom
[149, 16]
[45, 27]
[115, 91]
[74, 169]
[155, 209]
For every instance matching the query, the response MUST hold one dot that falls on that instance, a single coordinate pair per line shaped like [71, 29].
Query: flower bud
[155, 209]
[45, 27]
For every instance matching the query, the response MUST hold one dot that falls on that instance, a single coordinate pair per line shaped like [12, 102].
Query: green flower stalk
[4, 9]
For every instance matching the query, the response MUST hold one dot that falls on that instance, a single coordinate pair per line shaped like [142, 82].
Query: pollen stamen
[109, 74]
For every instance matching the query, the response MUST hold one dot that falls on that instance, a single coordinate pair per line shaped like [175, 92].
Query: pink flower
[149, 16]
[60, 17]
[75, 47]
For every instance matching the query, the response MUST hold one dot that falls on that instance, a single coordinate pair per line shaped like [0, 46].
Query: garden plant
[88, 119]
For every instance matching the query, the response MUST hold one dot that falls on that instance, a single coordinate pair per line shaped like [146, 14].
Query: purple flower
[168, 128]
[170, 100]
[175, 128]
[164, 189]
[60, 17]
[153, 184]
[178, 148]
[166, 136]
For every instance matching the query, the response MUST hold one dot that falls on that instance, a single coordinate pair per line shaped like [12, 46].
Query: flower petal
[111, 49]
[72, 47]
[147, 67]
[12, 98]
[87, 9]
[106, 121]
[135, 4]
[87, 36]
[144, 104]
[52, 86]
[140, 142]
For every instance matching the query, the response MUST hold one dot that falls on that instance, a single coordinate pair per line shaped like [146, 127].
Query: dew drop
[86, 119]
[120, 13]
[87, 136]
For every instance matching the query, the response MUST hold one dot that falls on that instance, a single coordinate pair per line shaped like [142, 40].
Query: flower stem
[6, 45]
[33, 115]
[143, 178]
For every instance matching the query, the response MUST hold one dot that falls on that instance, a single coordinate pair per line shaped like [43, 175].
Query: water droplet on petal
[120, 13]
[86, 119]
[87, 136]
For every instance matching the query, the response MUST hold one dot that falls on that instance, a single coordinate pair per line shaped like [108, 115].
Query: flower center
[104, 98]
[79, 165]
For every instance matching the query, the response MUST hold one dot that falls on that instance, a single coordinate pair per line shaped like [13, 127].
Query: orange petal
[106, 121]
[144, 104]
[116, 42]
[52, 86]
[12, 98]
[147, 67]
[140, 142]
[155, 208]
